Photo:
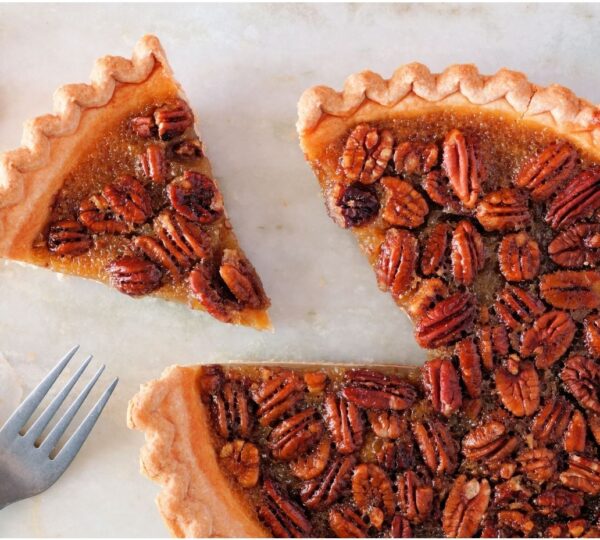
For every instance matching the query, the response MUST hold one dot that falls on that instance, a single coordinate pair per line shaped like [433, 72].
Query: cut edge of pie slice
[207, 456]
[197, 499]
[115, 186]
[346, 450]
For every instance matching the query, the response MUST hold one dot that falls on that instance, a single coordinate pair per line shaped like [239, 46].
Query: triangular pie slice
[115, 186]
[295, 450]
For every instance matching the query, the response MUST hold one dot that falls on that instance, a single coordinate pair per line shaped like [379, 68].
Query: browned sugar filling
[142, 212]
[483, 230]
[367, 452]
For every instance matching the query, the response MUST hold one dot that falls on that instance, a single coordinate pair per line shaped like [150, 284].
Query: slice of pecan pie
[115, 186]
[315, 451]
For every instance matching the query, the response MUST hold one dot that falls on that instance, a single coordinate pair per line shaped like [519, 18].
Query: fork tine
[19, 418]
[57, 431]
[36, 429]
[72, 446]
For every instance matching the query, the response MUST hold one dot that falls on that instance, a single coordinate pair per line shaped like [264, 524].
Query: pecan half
[231, 410]
[583, 474]
[211, 293]
[375, 390]
[571, 289]
[242, 280]
[577, 246]
[354, 205]
[436, 186]
[470, 366]
[429, 292]
[559, 501]
[156, 252]
[462, 167]
[386, 424]
[519, 257]
[504, 210]
[549, 338]
[415, 497]
[400, 527]
[143, 126]
[516, 520]
[277, 395]
[395, 455]
[412, 157]
[593, 421]
[312, 464]
[96, 214]
[579, 199]
[397, 261]
[185, 241]
[294, 435]
[489, 442]
[591, 330]
[538, 464]
[516, 307]
[128, 200]
[581, 376]
[468, 254]
[551, 422]
[316, 381]
[322, 492]
[493, 342]
[346, 523]
[134, 276]
[366, 154]
[68, 237]
[188, 149]
[448, 321]
[518, 386]
[242, 460]
[544, 173]
[441, 383]
[437, 446]
[284, 518]
[196, 197]
[153, 163]
[436, 246]
[173, 119]
[465, 507]
[344, 422]
[404, 205]
[576, 433]
[372, 489]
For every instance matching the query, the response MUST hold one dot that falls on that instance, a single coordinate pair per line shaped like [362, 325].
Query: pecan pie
[116, 186]
[309, 450]
[477, 201]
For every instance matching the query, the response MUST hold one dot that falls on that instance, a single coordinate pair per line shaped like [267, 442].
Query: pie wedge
[115, 186]
[342, 451]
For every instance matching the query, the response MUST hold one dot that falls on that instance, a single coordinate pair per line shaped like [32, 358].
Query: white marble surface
[243, 68]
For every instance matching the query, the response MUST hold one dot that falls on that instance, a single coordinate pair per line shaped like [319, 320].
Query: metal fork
[26, 467]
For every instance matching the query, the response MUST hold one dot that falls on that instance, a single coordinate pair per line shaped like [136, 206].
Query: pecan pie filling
[399, 452]
[142, 212]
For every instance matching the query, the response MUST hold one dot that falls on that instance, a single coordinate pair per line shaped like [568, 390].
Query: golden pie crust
[197, 499]
[54, 145]
[325, 114]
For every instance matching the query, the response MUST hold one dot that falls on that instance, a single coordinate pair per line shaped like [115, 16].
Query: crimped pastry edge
[553, 106]
[196, 499]
[69, 102]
